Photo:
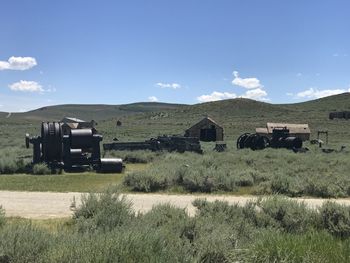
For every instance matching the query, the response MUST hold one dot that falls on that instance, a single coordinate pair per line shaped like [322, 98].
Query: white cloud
[314, 93]
[216, 96]
[299, 75]
[50, 89]
[255, 90]
[247, 83]
[168, 85]
[18, 63]
[26, 86]
[256, 94]
[153, 99]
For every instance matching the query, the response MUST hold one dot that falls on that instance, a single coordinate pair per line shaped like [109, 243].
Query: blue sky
[183, 51]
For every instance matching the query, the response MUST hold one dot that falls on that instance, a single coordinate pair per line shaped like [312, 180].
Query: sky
[183, 51]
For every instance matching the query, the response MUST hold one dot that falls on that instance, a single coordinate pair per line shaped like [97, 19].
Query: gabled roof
[204, 120]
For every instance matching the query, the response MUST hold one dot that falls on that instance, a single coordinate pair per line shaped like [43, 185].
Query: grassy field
[66, 182]
[260, 172]
[105, 229]
[264, 172]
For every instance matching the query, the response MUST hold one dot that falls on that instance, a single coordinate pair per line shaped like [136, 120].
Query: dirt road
[44, 205]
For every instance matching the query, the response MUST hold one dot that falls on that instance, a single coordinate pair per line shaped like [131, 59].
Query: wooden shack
[301, 131]
[206, 130]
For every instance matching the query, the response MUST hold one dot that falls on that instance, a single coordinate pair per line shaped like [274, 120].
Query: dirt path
[44, 205]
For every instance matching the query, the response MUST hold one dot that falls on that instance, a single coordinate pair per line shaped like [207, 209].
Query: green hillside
[89, 112]
[340, 102]
[145, 120]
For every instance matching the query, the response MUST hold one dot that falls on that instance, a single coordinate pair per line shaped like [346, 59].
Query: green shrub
[146, 182]
[291, 216]
[2, 216]
[103, 211]
[336, 219]
[308, 247]
[280, 184]
[245, 179]
[23, 242]
[41, 169]
[10, 163]
[265, 172]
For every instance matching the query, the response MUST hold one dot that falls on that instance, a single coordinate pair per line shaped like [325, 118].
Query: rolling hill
[148, 119]
[89, 112]
[226, 108]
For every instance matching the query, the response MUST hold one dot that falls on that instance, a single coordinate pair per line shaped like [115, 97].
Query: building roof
[292, 127]
[203, 121]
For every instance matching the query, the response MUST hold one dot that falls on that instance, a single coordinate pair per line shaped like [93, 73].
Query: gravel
[46, 205]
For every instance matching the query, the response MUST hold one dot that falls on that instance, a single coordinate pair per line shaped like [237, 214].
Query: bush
[41, 169]
[199, 181]
[146, 182]
[336, 219]
[291, 216]
[280, 184]
[23, 243]
[264, 172]
[10, 163]
[103, 211]
[308, 247]
[2, 216]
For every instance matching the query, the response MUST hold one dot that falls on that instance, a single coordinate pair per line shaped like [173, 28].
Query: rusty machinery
[280, 139]
[78, 149]
[171, 143]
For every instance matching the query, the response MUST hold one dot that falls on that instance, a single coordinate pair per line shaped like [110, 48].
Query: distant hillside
[338, 102]
[222, 110]
[89, 112]
[145, 120]
[236, 107]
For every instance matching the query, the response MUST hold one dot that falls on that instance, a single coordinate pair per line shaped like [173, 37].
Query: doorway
[208, 134]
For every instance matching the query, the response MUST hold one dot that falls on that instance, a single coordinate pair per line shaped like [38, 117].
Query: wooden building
[206, 130]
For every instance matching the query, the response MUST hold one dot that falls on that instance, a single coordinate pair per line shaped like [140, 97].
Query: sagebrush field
[106, 229]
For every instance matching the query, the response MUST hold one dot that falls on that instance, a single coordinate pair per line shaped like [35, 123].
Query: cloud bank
[314, 93]
[254, 91]
[168, 85]
[26, 86]
[18, 63]
[215, 96]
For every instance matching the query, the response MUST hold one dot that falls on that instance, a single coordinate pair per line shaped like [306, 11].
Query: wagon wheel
[51, 134]
[261, 142]
[241, 140]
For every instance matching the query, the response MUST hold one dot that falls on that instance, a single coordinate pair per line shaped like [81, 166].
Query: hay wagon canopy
[206, 130]
[298, 130]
